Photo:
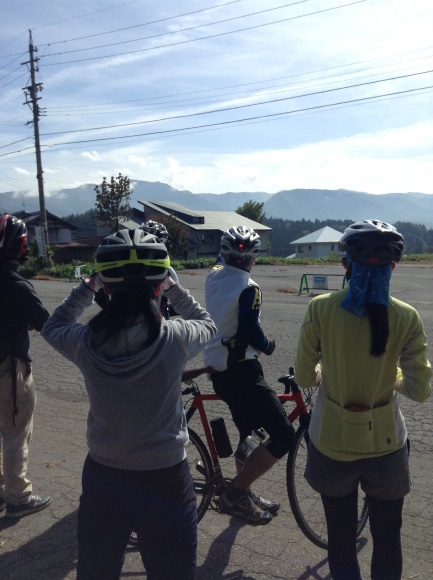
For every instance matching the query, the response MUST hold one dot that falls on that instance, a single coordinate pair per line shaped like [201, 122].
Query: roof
[325, 235]
[34, 217]
[212, 220]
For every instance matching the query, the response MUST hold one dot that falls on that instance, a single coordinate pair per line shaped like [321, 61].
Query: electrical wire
[235, 107]
[181, 42]
[228, 123]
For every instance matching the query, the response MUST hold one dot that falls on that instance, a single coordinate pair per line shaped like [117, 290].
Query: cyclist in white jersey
[233, 301]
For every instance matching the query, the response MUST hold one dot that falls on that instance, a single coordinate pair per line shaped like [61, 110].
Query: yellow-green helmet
[134, 252]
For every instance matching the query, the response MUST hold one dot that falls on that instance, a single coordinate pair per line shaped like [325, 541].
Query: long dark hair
[129, 301]
[379, 324]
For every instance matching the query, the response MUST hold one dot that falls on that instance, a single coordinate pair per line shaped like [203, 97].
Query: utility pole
[32, 99]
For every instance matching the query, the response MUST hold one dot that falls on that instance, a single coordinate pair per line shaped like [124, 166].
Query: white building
[319, 244]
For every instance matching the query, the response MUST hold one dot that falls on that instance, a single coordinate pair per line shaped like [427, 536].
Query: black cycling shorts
[253, 404]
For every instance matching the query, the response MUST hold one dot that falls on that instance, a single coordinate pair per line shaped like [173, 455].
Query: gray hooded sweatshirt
[136, 419]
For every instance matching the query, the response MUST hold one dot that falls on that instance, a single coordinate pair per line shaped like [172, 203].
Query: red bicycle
[209, 480]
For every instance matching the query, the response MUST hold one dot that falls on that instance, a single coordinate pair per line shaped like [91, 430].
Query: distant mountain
[296, 204]
[291, 204]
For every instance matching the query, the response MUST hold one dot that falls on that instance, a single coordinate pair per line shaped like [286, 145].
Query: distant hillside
[344, 204]
[292, 204]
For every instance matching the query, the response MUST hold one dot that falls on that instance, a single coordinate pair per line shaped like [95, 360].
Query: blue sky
[245, 95]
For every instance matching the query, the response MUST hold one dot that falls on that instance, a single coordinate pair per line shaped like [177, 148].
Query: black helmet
[156, 229]
[372, 242]
[132, 254]
[13, 239]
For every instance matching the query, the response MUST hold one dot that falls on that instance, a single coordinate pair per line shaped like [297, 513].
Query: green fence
[320, 282]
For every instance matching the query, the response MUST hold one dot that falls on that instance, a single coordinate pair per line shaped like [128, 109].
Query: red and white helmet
[13, 238]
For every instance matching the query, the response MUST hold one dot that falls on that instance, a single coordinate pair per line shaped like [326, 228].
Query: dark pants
[385, 524]
[160, 506]
[254, 404]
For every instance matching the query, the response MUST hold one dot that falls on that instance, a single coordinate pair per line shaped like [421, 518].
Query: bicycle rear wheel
[200, 465]
[306, 503]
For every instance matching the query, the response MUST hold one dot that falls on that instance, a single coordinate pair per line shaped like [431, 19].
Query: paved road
[42, 546]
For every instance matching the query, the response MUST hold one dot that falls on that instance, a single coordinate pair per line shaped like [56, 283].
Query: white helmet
[372, 242]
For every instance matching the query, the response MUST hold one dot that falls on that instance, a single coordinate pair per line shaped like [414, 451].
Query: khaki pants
[14, 440]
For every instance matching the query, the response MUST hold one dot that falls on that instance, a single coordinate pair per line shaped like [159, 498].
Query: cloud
[22, 171]
[92, 155]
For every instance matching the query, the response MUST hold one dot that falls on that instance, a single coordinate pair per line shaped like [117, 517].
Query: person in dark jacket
[20, 311]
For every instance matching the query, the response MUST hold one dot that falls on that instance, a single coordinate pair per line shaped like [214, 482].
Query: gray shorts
[386, 477]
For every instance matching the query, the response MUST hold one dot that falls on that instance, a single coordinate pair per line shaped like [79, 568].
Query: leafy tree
[178, 240]
[253, 210]
[112, 201]
[85, 221]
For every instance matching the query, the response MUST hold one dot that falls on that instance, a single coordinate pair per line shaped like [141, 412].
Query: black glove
[270, 348]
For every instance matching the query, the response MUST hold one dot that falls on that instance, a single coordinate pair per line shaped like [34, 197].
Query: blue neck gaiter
[368, 284]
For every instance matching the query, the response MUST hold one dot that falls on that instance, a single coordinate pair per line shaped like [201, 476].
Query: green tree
[112, 201]
[178, 235]
[253, 210]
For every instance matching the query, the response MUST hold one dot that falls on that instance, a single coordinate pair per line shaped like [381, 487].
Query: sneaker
[243, 507]
[2, 506]
[36, 504]
[267, 505]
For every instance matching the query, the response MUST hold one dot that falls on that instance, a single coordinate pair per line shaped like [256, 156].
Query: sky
[216, 96]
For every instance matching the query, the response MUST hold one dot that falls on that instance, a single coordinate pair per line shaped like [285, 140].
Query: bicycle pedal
[216, 504]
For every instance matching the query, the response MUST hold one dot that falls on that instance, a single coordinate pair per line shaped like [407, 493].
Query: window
[309, 248]
[300, 249]
[332, 247]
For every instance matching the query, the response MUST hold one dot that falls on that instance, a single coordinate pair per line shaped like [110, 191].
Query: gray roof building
[319, 244]
[206, 227]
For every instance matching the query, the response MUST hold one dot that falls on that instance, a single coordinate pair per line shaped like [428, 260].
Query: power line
[146, 23]
[100, 106]
[234, 107]
[176, 31]
[202, 38]
[222, 126]
[226, 123]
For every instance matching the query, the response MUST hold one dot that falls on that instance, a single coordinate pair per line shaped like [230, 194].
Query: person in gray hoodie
[135, 476]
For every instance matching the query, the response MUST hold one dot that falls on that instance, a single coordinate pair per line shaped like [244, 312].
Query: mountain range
[293, 204]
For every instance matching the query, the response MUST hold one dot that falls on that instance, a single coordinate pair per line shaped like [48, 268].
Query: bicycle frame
[209, 480]
[198, 401]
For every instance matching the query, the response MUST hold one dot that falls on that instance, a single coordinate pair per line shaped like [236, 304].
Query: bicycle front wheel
[306, 503]
[200, 466]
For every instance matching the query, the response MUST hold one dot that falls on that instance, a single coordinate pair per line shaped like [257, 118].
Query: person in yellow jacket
[362, 347]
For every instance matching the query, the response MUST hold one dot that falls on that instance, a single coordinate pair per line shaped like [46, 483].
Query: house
[59, 230]
[319, 244]
[60, 234]
[83, 249]
[205, 227]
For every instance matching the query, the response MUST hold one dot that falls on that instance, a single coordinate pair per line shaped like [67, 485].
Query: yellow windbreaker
[349, 377]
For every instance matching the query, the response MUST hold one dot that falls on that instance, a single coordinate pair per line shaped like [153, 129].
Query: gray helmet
[13, 238]
[156, 229]
[372, 242]
[240, 241]
[132, 254]
[240, 246]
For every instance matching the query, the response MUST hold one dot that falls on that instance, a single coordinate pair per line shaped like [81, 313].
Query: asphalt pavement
[42, 546]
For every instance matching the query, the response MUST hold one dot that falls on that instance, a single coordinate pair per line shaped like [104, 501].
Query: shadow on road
[52, 555]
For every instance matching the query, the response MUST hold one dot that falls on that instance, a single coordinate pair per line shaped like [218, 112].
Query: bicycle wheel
[200, 465]
[306, 503]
